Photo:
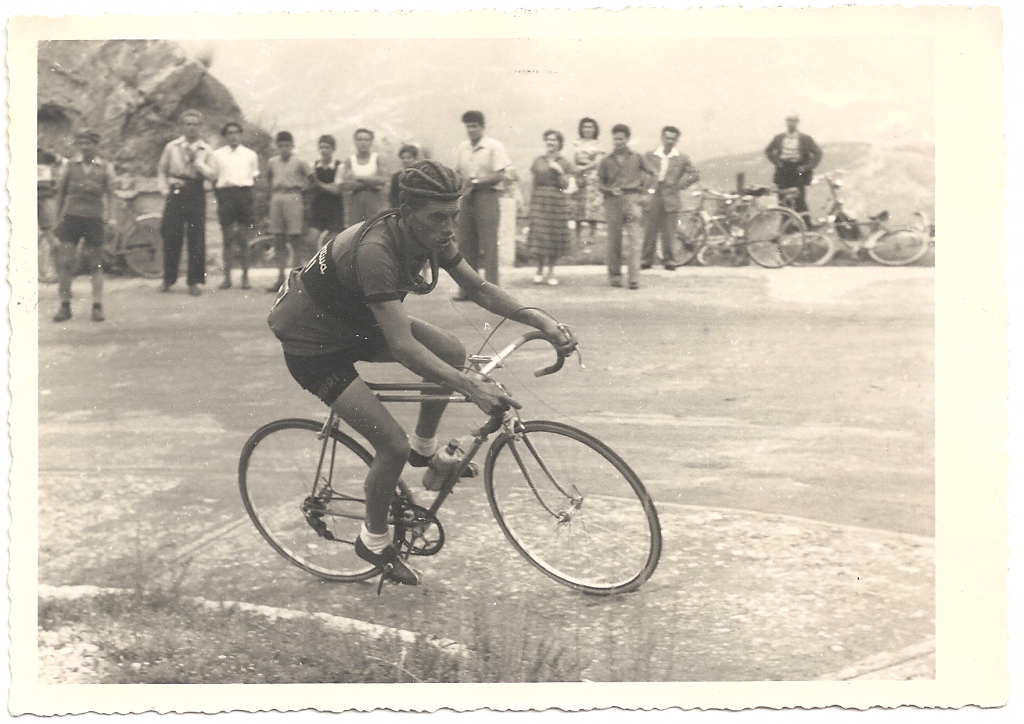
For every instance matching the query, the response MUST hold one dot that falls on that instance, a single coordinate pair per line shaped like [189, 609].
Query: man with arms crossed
[346, 305]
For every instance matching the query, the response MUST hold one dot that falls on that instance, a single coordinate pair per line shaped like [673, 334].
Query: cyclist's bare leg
[361, 409]
[451, 350]
[66, 269]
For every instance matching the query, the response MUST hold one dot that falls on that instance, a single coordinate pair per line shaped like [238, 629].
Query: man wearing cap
[795, 156]
[237, 168]
[83, 198]
[481, 162]
[185, 163]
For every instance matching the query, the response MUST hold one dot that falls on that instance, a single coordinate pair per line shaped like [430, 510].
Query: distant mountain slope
[900, 179]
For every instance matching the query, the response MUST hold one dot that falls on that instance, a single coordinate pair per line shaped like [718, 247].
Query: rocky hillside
[131, 93]
[900, 179]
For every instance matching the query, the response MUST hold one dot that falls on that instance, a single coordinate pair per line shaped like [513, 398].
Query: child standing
[288, 177]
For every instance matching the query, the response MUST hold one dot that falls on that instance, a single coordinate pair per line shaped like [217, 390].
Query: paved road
[783, 422]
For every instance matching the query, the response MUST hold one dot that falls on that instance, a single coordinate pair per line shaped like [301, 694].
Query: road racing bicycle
[564, 500]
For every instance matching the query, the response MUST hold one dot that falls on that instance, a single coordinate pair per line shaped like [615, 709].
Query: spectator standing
[327, 210]
[587, 155]
[795, 155]
[184, 165]
[364, 178]
[288, 177]
[548, 238]
[661, 217]
[83, 200]
[408, 155]
[481, 161]
[46, 191]
[623, 178]
[237, 168]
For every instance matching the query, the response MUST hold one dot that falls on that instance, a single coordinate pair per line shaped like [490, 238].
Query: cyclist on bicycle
[345, 306]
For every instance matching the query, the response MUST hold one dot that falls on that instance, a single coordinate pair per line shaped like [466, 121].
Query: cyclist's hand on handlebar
[490, 398]
[562, 339]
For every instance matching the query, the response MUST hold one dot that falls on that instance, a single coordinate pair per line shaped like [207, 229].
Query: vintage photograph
[483, 358]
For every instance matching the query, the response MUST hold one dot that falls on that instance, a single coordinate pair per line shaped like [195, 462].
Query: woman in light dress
[587, 154]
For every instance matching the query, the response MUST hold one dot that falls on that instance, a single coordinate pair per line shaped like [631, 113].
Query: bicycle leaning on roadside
[564, 500]
[134, 239]
[730, 229]
[837, 232]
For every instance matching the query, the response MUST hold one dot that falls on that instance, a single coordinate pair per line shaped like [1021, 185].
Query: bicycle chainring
[418, 532]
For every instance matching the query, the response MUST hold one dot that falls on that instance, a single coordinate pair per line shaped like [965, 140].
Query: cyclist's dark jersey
[326, 304]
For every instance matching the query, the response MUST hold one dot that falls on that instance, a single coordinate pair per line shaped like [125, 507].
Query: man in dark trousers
[186, 162]
[661, 216]
[795, 156]
[482, 163]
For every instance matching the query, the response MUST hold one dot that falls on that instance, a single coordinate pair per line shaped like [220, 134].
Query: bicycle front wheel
[306, 497]
[143, 252]
[573, 508]
[818, 250]
[690, 236]
[775, 237]
[898, 247]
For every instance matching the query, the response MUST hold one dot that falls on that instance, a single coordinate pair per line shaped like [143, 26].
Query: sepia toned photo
[637, 359]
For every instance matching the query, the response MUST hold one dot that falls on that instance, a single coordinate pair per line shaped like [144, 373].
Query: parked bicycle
[571, 506]
[133, 240]
[730, 229]
[838, 232]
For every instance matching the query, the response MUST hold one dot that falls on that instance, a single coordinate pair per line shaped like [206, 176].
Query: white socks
[425, 446]
[375, 542]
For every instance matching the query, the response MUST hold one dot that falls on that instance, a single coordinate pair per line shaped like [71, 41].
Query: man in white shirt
[481, 161]
[237, 168]
[185, 164]
[673, 172]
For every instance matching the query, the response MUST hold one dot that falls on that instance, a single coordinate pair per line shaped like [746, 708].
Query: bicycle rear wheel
[573, 508]
[143, 252]
[898, 247]
[690, 236]
[306, 498]
[818, 250]
[775, 237]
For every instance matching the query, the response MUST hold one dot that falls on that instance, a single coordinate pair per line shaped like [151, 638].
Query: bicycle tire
[275, 477]
[144, 247]
[898, 247]
[818, 250]
[775, 237]
[691, 235]
[530, 479]
[722, 254]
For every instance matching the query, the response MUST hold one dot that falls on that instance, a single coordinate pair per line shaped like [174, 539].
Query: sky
[727, 95]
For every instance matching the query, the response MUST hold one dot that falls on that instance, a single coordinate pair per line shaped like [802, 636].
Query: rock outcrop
[131, 92]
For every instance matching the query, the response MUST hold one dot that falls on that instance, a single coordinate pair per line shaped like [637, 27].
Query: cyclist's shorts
[234, 205]
[73, 228]
[328, 375]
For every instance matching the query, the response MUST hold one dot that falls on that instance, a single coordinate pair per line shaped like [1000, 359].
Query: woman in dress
[587, 154]
[327, 211]
[549, 208]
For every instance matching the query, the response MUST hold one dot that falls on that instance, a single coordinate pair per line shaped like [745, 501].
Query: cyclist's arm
[497, 301]
[413, 355]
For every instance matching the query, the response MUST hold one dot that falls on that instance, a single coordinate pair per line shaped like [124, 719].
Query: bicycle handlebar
[516, 344]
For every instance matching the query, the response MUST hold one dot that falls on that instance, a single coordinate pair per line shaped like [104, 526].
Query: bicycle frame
[431, 392]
